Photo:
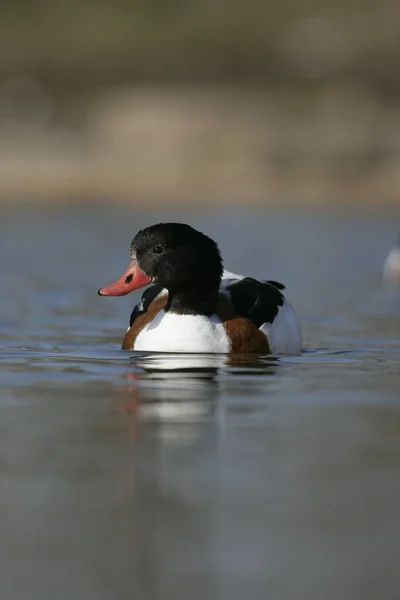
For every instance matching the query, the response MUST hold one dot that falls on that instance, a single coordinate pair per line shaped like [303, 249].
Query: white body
[169, 332]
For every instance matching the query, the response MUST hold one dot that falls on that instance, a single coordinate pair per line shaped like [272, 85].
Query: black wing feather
[279, 286]
[258, 301]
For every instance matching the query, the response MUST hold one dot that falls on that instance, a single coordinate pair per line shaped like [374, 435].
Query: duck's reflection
[186, 388]
[169, 366]
[158, 365]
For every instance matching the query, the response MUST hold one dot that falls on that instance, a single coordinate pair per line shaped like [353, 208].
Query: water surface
[125, 475]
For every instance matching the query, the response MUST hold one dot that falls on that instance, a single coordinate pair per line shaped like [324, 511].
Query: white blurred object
[391, 267]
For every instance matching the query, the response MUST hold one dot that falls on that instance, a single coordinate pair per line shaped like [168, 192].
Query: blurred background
[185, 101]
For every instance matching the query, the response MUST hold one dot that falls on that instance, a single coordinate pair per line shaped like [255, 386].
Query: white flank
[169, 332]
[284, 334]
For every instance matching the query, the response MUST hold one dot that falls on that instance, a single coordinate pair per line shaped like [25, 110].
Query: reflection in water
[222, 510]
[225, 477]
[186, 387]
[202, 365]
[193, 365]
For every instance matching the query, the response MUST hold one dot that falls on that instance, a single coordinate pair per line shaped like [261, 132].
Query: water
[250, 478]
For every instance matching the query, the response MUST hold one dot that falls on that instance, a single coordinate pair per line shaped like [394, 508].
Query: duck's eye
[158, 250]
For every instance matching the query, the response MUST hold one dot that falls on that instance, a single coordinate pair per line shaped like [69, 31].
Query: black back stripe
[148, 296]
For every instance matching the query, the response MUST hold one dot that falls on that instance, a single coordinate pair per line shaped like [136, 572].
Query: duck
[391, 266]
[193, 305]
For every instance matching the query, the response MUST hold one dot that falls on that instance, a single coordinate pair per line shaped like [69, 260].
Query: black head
[177, 256]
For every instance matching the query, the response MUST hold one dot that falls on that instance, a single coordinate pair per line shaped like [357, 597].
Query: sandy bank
[159, 146]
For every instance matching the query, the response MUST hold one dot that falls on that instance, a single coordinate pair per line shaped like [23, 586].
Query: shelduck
[194, 305]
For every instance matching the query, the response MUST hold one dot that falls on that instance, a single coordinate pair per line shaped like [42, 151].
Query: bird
[193, 305]
[391, 266]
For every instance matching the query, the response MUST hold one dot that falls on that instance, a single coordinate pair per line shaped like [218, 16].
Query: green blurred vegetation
[79, 44]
